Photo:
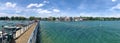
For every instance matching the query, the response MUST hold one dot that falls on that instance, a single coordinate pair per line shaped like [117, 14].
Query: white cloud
[9, 4]
[56, 10]
[45, 1]
[44, 11]
[14, 10]
[18, 11]
[35, 5]
[41, 11]
[114, 0]
[115, 7]
[10, 9]
[31, 5]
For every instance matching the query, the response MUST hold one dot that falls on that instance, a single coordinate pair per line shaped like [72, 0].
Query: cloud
[11, 5]
[116, 7]
[41, 11]
[45, 1]
[35, 5]
[12, 9]
[114, 0]
[45, 11]
[56, 10]
[48, 12]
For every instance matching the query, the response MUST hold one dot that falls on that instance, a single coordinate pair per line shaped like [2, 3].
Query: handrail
[17, 33]
[32, 38]
[22, 31]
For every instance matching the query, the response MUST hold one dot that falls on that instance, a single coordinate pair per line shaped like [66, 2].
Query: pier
[27, 34]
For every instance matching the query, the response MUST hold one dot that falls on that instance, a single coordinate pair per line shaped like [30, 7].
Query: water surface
[80, 32]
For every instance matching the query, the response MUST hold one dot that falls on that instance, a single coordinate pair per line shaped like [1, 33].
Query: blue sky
[56, 8]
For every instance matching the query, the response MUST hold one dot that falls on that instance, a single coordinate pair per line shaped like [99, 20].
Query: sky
[57, 8]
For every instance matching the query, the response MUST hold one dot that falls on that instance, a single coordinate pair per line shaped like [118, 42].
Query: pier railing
[33, 36]
[15, 34]
[21, 31]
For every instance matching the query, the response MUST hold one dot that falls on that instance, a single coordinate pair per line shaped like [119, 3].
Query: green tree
[32, 18]
[54, 18]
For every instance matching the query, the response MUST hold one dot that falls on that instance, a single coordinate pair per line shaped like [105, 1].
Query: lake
[77, 32]
[80, 32]
[11, 23]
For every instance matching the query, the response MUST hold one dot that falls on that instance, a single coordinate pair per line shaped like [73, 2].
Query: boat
[0, 34]
[3, 35]
[11, 27]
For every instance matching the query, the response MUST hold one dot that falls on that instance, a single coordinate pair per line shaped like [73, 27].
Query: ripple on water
[80, 32]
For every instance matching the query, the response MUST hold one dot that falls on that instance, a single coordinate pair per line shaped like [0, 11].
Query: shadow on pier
[13, 41]
[39, 35]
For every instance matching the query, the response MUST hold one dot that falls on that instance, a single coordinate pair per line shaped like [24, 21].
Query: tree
[54, 18]
[12, 18]
[32, 18]
[18, 18]
[4, 18]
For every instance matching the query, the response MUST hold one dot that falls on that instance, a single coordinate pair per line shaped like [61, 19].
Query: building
[78, 19]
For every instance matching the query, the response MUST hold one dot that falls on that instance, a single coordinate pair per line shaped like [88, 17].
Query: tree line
[55, 18]
[102, 18]
[19, 18]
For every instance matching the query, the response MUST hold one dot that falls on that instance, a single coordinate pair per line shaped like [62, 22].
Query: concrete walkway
[25, 36]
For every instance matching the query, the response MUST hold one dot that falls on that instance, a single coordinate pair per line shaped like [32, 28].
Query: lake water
[77, 32]
[80, 32]
[11, 23]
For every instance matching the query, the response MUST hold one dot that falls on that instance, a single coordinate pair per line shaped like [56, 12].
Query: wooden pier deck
[25, 36]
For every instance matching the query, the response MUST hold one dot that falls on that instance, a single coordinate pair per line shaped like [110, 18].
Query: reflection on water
[80, 32]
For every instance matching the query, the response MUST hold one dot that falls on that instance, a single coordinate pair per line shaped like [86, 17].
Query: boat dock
[26, 35]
